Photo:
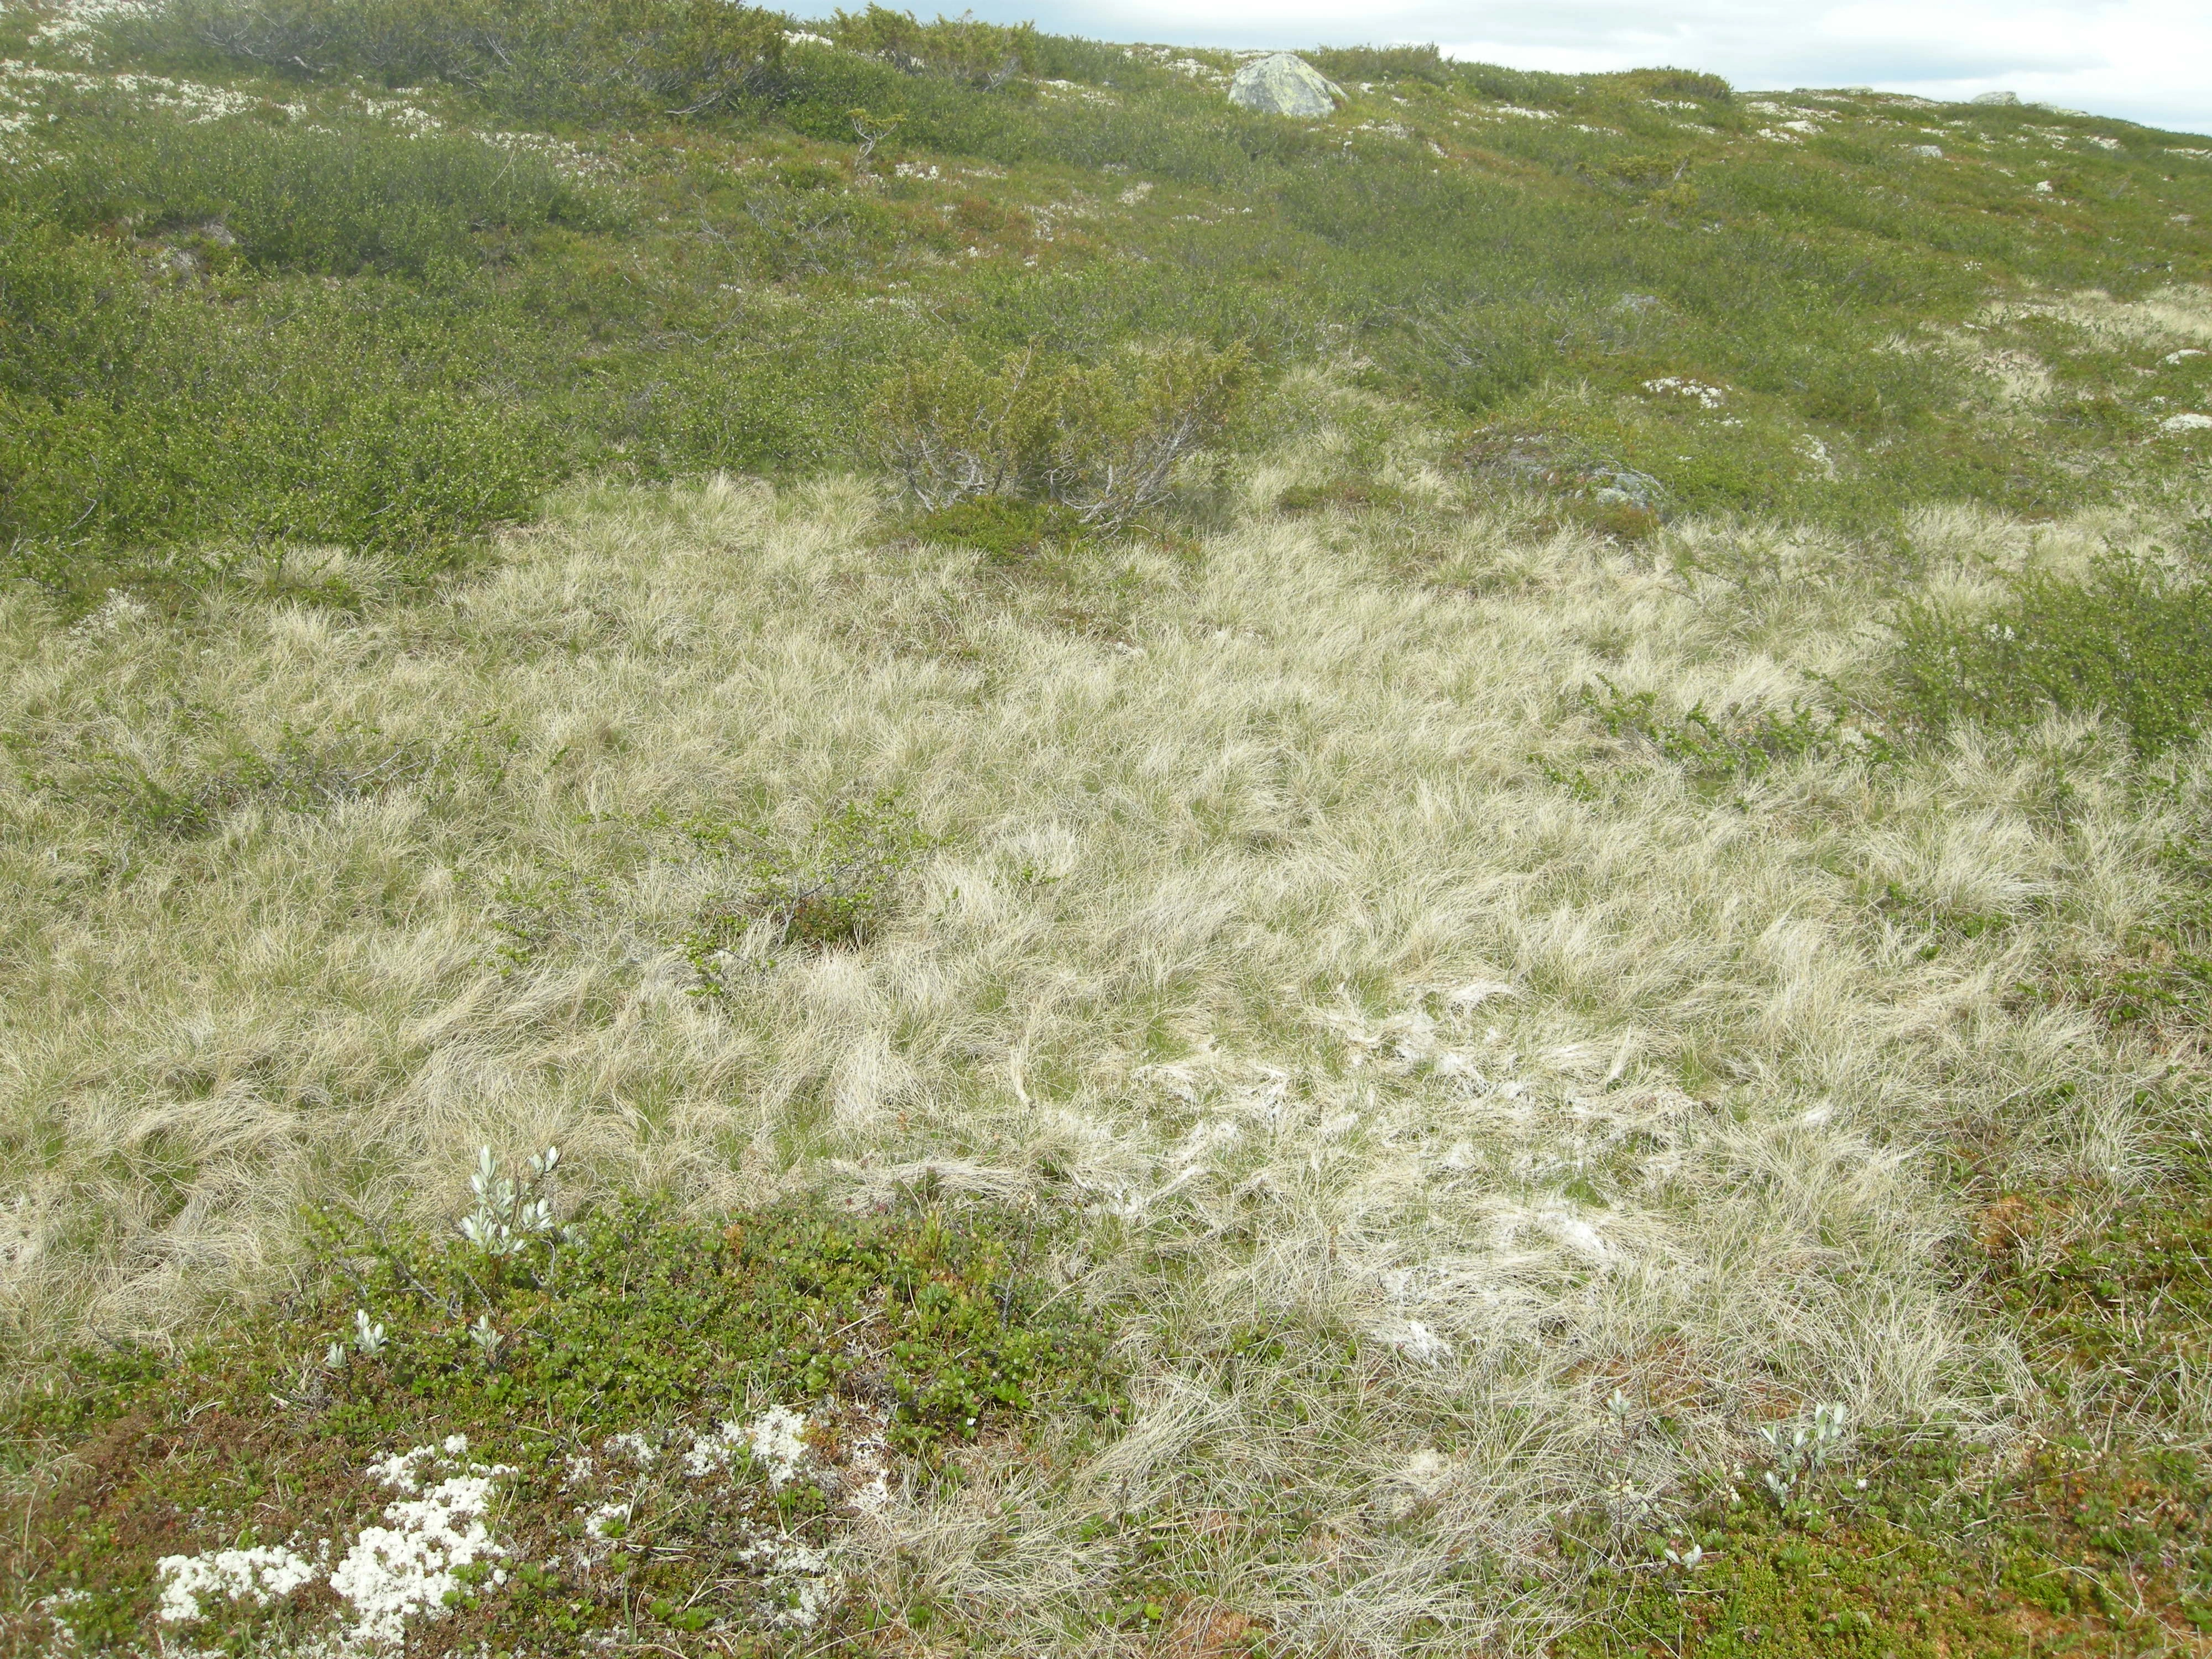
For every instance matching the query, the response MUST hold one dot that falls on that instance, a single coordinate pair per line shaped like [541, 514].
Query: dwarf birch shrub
[335, 200]
[609, 58]
[252, 456]
[963, 48]
[2133, 639]
[68, 320]
[1103, 441]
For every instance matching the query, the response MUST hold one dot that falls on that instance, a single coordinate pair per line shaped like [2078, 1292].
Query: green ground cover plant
[644, 1396]
[1714, 747]
[2091, 1536]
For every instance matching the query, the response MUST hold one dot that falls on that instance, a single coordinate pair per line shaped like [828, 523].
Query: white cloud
[2143, 60]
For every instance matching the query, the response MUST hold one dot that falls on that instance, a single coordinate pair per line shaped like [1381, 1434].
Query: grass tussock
[1479, 1115]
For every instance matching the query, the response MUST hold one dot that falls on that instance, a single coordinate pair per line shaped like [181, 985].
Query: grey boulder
[1997, 98]
[1284, 85]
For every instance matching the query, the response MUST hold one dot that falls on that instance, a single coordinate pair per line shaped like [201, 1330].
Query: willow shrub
[137, 420]
[963, 48]
[1101, 440]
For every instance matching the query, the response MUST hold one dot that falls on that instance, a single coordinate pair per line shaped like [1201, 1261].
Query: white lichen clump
[797, 1581]
[776, 1441]
[632, 1445]
[260, 1576]
[609, 1520]
[797, 1577]
[391, 1573]
[407, 1566]
[1676, 386]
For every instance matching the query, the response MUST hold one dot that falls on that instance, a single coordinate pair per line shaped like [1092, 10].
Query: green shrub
[72, 316]
[136, 415]
[1101, 441]
[336, 199]
[1679, 83]
[1472, 356]
[196, 405]
[631, 1315]
[538, 58]
[835, 885]
[1353, 64]
[1511, 85]
[962, 49]
[367, 459]
[2132, 639]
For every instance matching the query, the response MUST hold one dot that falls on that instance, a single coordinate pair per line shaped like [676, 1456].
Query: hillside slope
[257, 307]
[1556, 1004]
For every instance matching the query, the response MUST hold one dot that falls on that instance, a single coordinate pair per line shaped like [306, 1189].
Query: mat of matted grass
[1464, 1119]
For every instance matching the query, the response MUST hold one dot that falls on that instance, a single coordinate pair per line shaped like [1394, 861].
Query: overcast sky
[2146, 60]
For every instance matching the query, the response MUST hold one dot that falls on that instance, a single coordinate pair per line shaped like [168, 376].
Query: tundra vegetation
[867, 836]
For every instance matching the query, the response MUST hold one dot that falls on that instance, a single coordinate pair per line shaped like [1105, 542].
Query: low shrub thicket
[74, 316]
[1102, 441]
[635, 60]
[332, 197]
[1546, 272]
[962, 48]
[154, 396]
[2133, 638]
[224, 336]
[135, 422]
[611, 59]
[1427, 65]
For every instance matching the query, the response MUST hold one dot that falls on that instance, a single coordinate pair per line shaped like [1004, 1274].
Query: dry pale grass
[2177, 315]
[1448, 1091]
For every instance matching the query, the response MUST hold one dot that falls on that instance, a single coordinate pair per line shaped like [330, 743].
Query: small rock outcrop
[1284, 85]
[1997, 98]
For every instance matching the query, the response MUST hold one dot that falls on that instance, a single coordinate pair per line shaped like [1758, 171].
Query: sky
[2143, 60]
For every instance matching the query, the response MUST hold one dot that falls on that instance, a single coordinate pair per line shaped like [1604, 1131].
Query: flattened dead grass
[1491, 1122]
